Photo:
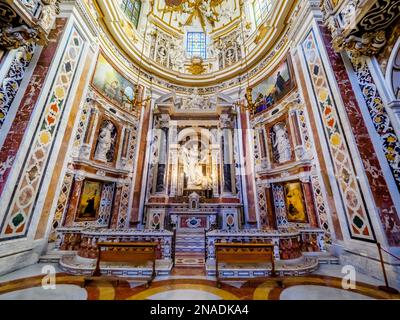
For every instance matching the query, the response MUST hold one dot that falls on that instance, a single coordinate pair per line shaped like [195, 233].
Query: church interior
[199, 150]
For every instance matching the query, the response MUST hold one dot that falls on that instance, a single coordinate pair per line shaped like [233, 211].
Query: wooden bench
[125, 252]
[243, 253]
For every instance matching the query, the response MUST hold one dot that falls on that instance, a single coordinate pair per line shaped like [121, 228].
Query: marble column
[124, 145]
[299, 148]
[89, 134]
[269, 199]
[74, 200]
[163, 154]
[309, 202]
[174, 163]
[116, 206]
[141, 171]
[227, 151]
[215, 149]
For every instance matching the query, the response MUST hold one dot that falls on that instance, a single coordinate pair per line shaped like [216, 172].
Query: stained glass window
[196, 44]
[131, 9]
[261, 9]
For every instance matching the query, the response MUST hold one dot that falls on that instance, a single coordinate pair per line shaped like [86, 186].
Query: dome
[194, 42]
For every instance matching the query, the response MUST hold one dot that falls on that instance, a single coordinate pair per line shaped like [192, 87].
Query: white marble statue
[281, 144]
[105, 142]
[192, 168]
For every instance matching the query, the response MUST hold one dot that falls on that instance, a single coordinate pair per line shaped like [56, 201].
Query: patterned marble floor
[183, 285]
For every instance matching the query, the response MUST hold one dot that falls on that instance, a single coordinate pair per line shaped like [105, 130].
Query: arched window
[261, 9]
[131, 9]
[196, 44]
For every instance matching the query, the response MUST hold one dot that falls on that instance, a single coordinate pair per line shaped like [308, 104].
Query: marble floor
[324, 284]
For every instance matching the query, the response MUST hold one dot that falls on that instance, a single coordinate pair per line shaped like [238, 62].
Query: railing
[173, 246]
[386, 287]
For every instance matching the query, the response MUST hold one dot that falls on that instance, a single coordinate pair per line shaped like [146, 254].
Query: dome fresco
[199, 149]
[196, 41]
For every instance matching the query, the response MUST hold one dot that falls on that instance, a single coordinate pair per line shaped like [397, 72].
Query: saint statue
[192, 168]
[105, 143]
[281, 144]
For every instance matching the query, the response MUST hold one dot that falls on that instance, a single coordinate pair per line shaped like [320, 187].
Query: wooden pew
[243, 253]
[125, 252]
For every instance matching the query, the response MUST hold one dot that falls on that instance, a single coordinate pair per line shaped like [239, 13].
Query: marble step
[190, 260]
[190, 249]
[190, 244]
[190, 238]
[323, 257]
[329, 260]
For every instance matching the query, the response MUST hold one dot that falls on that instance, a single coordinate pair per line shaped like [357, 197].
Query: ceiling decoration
[205, 11]
[196, 66]
[165, 52]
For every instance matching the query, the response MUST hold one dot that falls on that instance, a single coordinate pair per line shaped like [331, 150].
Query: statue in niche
[106, 142]
[280, 143]
[192, 168]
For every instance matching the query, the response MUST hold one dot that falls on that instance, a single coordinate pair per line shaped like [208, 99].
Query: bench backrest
[244, 252]
[127, 251]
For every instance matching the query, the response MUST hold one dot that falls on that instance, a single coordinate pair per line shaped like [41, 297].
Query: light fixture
[137, 102]
[250, 105]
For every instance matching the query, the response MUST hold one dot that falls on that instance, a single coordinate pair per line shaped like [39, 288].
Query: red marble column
[134, 219]
[373, 170]
[90, 126]
[26, 107]
[296, 129]
[73, 201]
[249, 170]
[115, 210]
[271, 208]
[310, 205]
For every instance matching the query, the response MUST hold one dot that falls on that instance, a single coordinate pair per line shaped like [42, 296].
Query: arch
[393, 71]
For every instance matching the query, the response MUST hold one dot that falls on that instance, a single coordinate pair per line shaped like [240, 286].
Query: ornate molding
[359, 26]
[23, 21]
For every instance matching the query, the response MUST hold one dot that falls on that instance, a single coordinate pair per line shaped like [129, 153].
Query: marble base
[18, 254]
[298, 267]
[312, 292]
[76, 265]
[366, 261]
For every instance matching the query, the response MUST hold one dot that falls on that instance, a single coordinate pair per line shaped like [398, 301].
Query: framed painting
[295, 207]
[111, 84]
[275, 87]
[89, 202]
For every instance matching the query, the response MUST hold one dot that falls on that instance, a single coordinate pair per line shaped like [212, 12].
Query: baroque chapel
[189, 145]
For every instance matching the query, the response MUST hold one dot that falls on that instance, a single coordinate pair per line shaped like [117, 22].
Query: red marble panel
[27, 105]
[115, 210]
[272, 223]
[202, 223]
[310, 206]
[73, 203]
[373, 170]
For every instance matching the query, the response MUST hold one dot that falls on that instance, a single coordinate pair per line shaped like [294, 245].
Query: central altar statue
[193, 169]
